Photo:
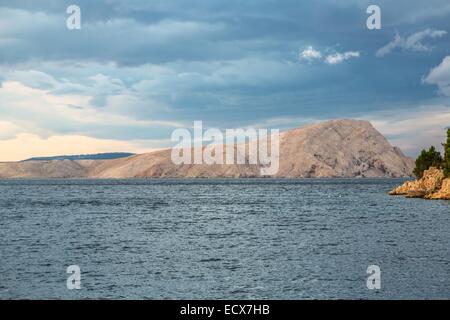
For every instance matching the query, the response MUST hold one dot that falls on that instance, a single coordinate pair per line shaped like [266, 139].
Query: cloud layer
[138, 69]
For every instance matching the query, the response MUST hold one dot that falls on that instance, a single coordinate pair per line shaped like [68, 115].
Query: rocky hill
[338, 148]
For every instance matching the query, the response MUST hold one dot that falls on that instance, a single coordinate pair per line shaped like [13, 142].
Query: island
[342, 148]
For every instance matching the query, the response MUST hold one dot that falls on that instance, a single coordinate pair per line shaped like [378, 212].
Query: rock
[431, 180]
[443, 193]
[408, 186]
[431, 186]
[415, 194]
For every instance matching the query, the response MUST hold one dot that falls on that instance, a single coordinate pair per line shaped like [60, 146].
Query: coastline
[432, 186]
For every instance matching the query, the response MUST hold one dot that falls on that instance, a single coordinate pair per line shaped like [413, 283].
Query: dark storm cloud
[226, 62]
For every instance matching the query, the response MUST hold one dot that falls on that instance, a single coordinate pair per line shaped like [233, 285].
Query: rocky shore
[433, 186]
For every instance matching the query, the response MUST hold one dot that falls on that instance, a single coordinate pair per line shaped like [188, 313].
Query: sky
[138, 70]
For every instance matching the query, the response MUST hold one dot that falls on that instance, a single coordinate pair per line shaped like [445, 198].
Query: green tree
[427, 158]
[446, 162]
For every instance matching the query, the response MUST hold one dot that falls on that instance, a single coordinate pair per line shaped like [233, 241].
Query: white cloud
[338, 57]
[412, 43]
[310, 54]
[440, 76]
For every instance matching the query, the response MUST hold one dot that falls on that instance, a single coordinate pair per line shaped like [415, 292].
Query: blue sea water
[220, 239]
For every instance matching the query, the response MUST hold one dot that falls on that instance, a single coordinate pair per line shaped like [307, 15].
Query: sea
[221, 239]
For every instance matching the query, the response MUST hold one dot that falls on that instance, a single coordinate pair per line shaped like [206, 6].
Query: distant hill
[338, 148]
[332, 149]
[97, 156]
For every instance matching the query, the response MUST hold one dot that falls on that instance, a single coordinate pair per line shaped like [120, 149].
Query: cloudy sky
[137, 70]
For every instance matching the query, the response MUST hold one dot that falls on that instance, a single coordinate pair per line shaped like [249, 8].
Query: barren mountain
[338, 148]
[341, 148]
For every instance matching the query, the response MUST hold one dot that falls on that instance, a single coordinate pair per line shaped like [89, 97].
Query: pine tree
[446, 162]
[427, 158]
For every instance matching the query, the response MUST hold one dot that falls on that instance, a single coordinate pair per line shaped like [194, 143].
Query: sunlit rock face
[431, 186]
